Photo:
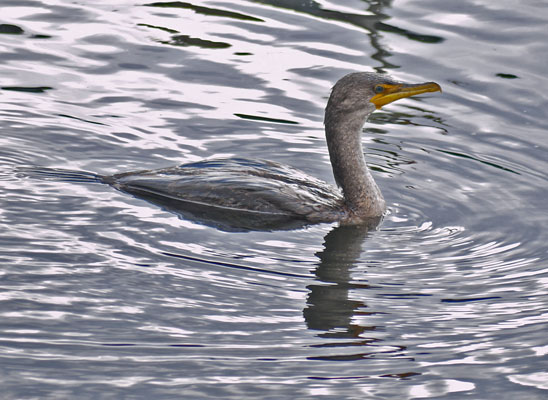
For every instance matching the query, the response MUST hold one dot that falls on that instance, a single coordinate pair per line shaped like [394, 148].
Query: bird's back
[240, 188]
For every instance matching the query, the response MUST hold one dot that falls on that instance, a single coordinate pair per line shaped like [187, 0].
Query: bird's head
[361, 93]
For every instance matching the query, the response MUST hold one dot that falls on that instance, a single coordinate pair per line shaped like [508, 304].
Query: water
[107, 296]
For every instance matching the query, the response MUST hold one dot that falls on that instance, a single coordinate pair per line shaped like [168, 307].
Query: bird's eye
[379, 89]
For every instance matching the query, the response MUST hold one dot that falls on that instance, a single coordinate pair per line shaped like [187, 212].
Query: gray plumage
[242, 194]
[264, 194]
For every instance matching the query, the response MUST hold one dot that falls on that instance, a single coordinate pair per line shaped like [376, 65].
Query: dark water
[107, 296]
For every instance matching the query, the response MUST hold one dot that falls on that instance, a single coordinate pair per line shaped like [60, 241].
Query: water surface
[105, 295]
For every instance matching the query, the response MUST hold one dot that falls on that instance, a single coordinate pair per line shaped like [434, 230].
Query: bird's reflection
[330, 309]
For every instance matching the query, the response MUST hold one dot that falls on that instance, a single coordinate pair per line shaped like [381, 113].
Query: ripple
[446, 298]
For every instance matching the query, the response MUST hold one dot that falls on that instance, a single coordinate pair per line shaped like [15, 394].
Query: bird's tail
[61, 175]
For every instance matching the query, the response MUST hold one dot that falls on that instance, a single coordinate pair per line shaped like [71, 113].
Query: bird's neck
[362, 195]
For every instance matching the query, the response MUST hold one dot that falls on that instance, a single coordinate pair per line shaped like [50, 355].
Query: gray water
[103, 295]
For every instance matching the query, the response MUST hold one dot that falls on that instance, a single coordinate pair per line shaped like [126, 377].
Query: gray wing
[248, 186]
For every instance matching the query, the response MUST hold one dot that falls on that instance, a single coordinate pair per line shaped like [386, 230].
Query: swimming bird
[244, 194]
